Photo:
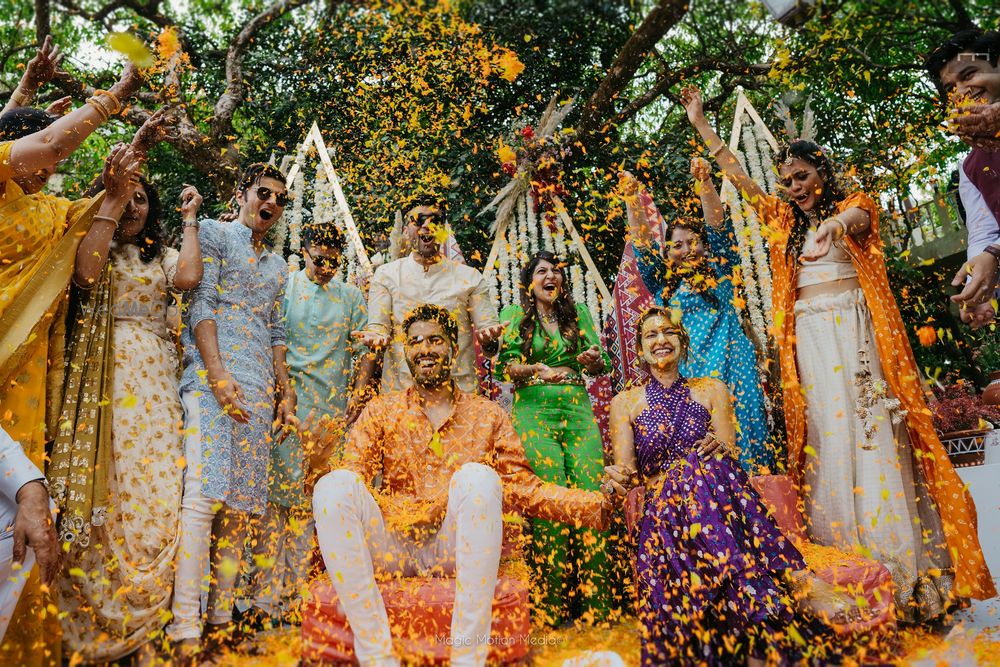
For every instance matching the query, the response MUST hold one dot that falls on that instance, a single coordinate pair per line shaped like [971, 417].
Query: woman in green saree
[549, 343]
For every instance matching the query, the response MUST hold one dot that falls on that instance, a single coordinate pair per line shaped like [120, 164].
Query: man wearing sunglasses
[426, 276]
[235, 392]
[321, 311]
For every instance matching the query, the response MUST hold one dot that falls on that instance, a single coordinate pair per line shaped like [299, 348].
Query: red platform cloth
[419, 611]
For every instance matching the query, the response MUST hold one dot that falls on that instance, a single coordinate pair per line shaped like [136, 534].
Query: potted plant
[962, 419]
[987, 357]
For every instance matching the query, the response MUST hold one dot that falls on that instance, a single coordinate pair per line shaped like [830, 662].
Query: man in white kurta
[426, 276]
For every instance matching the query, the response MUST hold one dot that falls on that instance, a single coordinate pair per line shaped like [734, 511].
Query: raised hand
[60, 106]
[43, 67]
[190, 202]
[121, 172]
[487, 335]
[628, 185]
[371, 339]
[692, 102]
[153, 131]
[128, 83]
[701, 170]
[977, 120]
[978, 279]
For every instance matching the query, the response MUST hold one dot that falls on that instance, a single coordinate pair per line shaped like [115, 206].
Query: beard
[440, 376]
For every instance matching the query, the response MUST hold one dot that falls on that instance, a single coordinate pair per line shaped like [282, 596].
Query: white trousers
[209, 529]
[864, 491]
[355, 542]
[281, 556]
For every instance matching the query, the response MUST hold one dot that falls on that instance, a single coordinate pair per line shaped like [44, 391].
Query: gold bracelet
[101, 111]
[718, 149]
[19, 98]
[116, 103]
[106, 218]
[840, 223]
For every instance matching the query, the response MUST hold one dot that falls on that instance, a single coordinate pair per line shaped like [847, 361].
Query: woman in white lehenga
[119, 571]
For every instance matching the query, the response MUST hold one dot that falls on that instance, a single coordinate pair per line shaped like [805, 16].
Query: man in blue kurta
[320, 311]
[234, 390]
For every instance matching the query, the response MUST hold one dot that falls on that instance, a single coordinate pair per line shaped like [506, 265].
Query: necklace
[548, 318]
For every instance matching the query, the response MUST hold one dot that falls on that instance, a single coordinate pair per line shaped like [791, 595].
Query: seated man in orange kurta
[449, 462]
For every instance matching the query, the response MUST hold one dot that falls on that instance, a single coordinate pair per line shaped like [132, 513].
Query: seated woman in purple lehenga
[712, 564]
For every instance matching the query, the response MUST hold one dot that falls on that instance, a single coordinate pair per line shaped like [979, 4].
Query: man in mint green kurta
[320, 314]
[557, 426]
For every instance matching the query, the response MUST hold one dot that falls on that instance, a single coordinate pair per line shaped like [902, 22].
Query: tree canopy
[417, 96]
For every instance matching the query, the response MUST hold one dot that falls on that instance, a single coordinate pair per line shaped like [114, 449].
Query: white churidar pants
[355, 542]
[208, 530]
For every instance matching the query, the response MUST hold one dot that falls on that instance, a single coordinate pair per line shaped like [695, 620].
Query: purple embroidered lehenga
[709, 557]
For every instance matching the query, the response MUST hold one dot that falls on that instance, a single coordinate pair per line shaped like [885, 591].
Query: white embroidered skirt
[863, 490]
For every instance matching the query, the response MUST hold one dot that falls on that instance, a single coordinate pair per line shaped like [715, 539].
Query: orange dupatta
[958, 512]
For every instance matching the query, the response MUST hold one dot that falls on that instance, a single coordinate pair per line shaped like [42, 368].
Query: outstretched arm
[691, 99]
[711, 203]
[639, 226]
[56, 142]
[190, 268]
[121, 172]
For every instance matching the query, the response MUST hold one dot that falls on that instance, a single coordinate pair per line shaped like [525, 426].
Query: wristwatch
[192, 223]
[993, 250]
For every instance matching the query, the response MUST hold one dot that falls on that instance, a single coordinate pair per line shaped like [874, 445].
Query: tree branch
[233, 97]
[962, 17]
[664, 16]
[673, 77]
[43, 20]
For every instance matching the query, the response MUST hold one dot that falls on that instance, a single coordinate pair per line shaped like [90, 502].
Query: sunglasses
[323, 262]
[421, 218]
[280, 198]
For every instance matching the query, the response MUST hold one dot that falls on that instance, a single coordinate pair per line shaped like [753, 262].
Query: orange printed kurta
[958, 512]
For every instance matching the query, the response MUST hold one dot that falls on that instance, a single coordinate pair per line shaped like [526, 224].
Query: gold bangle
[116, 103]
[19, 98]
[843, 227]
[96, 104]
[718, 149]
[106, 218]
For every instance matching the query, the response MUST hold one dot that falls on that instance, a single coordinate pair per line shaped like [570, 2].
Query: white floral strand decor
[593, 302]
[532, 223]
[503, 273]
[548, 243]
[762, 268]
[750, 287]
[579, 289]
[295, 223]
[520, 235]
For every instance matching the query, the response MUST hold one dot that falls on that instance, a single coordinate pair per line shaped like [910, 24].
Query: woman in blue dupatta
[684, 277]
[713, 569]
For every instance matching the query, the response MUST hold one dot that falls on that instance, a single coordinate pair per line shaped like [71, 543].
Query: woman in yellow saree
[39, 234]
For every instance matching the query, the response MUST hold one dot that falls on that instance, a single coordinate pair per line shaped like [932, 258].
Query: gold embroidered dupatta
[81, 454]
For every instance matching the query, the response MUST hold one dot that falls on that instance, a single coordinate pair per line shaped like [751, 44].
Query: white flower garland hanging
[532, 223]
[295, 224]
